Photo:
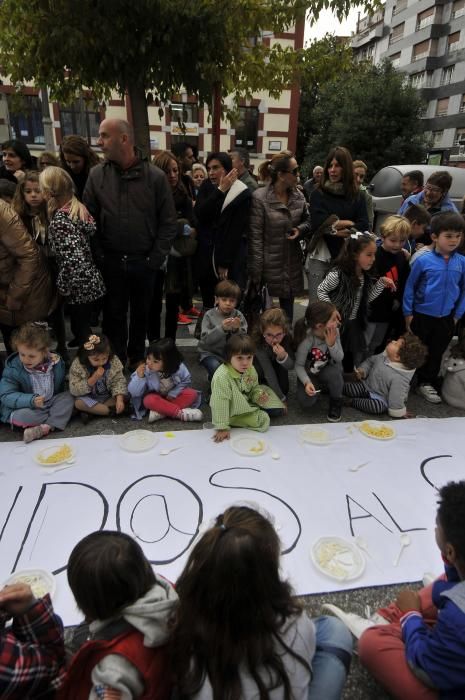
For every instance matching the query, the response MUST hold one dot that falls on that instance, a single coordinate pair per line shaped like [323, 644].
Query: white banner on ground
[310, 491]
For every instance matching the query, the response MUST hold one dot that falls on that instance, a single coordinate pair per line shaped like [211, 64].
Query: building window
[397, 33]
[399, 6]
[247, 128]
[26, 118]
[459, 139]
[81, 118]
[447, 75]
[442, 107]
[422, 79]
[184, 112]
[437, 137]
[453, 41]
[421, 50]
[425, 18]
[458, 9]
[462, 104]
[395, 60]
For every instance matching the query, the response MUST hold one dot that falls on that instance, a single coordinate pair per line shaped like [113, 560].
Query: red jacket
[150, 662]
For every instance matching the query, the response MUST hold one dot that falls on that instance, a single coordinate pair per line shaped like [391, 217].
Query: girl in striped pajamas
[350, 287]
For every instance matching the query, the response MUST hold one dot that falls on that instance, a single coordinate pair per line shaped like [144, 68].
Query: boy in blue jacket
[415, 647]
[434, 297]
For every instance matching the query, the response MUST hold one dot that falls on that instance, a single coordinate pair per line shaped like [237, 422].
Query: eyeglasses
[294, 171]
[273, 336]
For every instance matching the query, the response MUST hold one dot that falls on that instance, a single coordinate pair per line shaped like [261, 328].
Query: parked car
[385, 188]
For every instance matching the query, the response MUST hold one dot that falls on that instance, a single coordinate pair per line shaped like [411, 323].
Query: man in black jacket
[132, 204]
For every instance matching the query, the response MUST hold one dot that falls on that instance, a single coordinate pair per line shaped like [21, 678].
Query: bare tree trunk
[216, 118]
[140, 117]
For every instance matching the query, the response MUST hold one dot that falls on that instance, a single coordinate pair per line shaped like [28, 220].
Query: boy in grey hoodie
[384, 379]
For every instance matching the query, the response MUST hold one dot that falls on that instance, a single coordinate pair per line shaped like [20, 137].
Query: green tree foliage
[323, 61]
[152, 45]
[374, 112]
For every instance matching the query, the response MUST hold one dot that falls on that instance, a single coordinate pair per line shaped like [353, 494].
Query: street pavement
[359, 686]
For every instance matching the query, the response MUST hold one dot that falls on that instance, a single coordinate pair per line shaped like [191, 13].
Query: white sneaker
[154, 416]
[355, 623]
[429, 393]
[191, 414]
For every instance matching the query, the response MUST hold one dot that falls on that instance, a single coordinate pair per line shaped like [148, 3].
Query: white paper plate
[137, 440]
[40, 581]
[377, 425]
[344, 563]
[314, 435]
[249, 446]
[47, 452]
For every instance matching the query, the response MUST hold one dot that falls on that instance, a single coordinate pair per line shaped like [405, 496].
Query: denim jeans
[211, 364]
[331, 662]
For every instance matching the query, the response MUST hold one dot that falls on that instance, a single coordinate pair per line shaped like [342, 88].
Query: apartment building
[426, 40]
[265, 125]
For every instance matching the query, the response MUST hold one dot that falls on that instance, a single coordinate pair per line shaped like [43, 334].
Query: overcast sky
[328, 22]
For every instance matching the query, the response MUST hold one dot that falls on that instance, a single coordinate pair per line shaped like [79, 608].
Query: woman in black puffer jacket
[337, 208]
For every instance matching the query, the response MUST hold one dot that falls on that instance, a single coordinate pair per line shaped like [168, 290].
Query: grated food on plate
[37, 583]
[335, 558]
[377, 431]
[259, 447]
[61, 454]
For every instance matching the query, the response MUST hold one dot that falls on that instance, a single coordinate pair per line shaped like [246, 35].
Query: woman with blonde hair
[78, 281]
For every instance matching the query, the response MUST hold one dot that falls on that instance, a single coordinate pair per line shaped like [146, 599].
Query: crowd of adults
[167, 228]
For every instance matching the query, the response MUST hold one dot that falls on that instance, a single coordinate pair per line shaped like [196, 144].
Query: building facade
[265, 125]
[426, 40]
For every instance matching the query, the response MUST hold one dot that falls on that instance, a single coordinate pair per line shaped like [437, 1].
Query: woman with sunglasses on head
[337, 209]
[279, 220]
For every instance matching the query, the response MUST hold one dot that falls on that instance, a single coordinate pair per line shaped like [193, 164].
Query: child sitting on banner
[274, 356]
[384, 379]
[32, 656]
[32, 386]
[96, 379]
[128, 608]
[239, 632]
[415, 647]
[163, 385]
[219, 324]
[319, 357]
[237, 399]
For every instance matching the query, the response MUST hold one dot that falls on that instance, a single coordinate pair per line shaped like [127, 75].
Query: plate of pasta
[249, 445]
[40, 581]
[337, 558]
[54, 455]
[377, 430]
[314, 435]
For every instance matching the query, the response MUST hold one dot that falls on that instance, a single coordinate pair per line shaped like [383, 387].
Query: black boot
[334, 410]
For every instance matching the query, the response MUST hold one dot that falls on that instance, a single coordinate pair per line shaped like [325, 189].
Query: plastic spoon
[358, 466]
[405, 540]
[362, 544]
[274, 452]
[168, 450]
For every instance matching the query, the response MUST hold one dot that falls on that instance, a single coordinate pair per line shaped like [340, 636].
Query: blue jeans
[211, 364]
[332, 659]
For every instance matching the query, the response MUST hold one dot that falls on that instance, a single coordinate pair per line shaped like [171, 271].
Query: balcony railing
[458, 13]
[425, 22]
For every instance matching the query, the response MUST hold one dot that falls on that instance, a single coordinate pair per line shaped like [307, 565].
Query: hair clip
[41, 324]
[92, 342]
[356, 235]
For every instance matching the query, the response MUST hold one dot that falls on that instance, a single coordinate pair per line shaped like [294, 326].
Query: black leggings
[361, 399]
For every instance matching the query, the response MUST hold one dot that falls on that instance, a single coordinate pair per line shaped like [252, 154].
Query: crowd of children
[380, 324]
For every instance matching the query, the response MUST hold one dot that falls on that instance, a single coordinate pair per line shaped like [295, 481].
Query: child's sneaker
[429, 393]
[334, 410]
[154, 416]
[192, 312]
[190, 414]
[36, 432]
[184, 320]
[355, 623]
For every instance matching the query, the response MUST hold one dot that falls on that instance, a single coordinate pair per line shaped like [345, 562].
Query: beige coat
[272, 258]
[78, 376]
[26, 290]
